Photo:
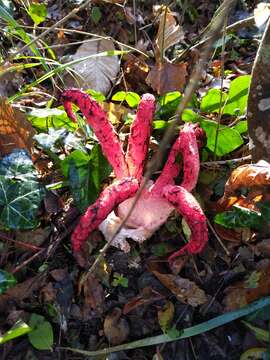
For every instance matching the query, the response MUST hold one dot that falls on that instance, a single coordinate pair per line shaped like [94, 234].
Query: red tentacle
[139, 138]
[190, 138]
[190, 209]
[101, 126]
[112, 196]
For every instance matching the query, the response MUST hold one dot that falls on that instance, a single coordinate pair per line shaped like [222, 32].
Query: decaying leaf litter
[52, 169]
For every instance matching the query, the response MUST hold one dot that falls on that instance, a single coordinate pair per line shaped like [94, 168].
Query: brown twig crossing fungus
[158, 200]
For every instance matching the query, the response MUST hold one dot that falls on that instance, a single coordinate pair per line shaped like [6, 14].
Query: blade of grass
[21, 33]
[62, 67]
[186, 333]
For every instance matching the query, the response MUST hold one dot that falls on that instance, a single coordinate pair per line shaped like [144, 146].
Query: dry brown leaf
[98, 73]
[185, 290]
[167, 77]
[147, 296]
[136, 71]
[245, 292]
[20, 292]
[93, 296]
[15, 131]
[116, 328]
[249, 175]
[169, 33]
[115, 112]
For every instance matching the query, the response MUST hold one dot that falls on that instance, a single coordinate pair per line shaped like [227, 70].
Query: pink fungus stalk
[158, 199]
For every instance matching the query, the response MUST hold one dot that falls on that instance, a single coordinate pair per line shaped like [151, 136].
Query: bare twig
[214, 33]
[226, 162]
[218, 238]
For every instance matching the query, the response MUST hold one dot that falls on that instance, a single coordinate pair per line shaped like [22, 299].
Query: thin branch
[226, 162]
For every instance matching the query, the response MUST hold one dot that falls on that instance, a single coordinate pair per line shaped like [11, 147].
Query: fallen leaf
[98, 73]
[115, 112]
[261, 14]
[165, 316]
[15, 131]
[185, 290]
[116, 328]
[169, 33]
[242, 293]
[147, 296]
[35, 237]
[93, 296]
[248, 175]
[135, 72]
[166, 77]
[21, 292]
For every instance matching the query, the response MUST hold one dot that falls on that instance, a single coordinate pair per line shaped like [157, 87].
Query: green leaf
[20, 193]
[7, 281]
[20, 328]
[241, 127]
[97, 95]
[237, 98]
[18, 166]
[20, 202]
[168, 104]
[41, 337]
[120, 280]
[211, 101]
[96, 14]
[228, 139]
[130, 97]
[43, 119]
[239, 217]
[160, 124]
[37, 12]
[85, 174]
[185, 333]
[260, 334]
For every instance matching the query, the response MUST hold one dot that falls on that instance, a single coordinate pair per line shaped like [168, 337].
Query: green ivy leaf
[20, 192]
[41, 337]
[130, 97]
[239, 217]
[18, 166]
[19, 203]
[37, 12]
[228, 139]
[7, 281]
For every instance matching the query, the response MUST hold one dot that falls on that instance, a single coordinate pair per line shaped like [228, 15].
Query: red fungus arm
[139, 137]
[112, 196]
[188, 142]
[101, 126]
[190, 209]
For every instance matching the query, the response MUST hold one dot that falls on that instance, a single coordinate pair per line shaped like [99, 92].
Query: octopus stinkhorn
[158, 199]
